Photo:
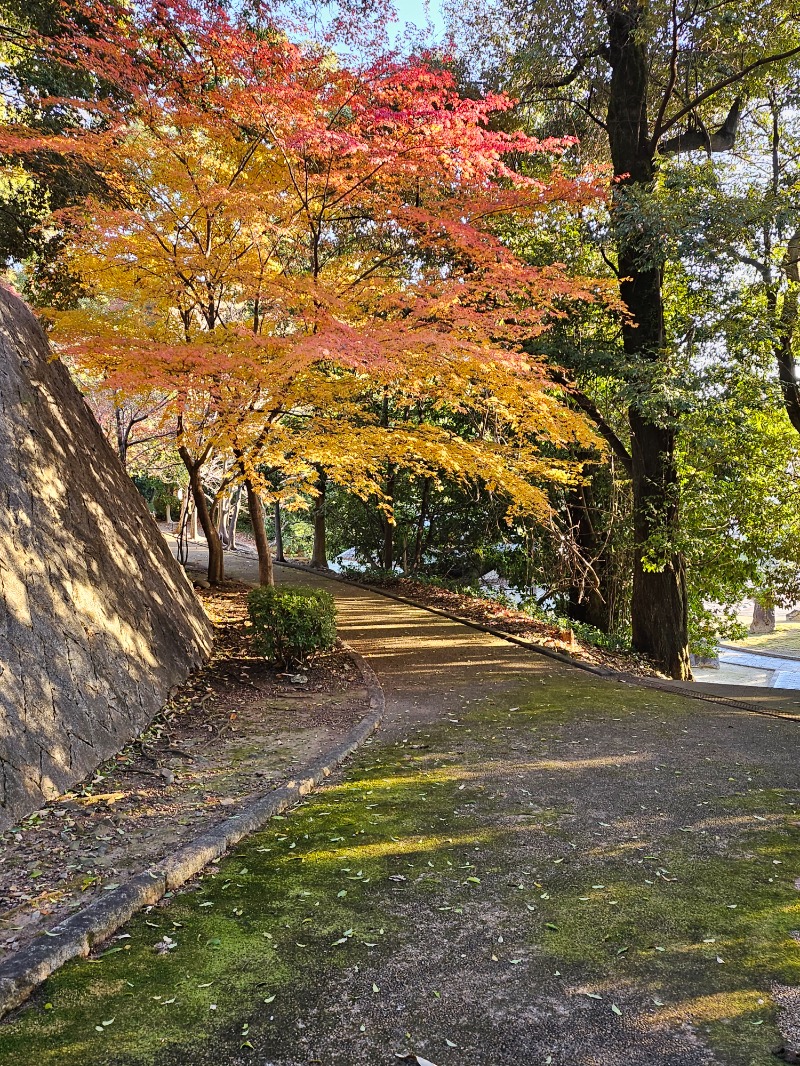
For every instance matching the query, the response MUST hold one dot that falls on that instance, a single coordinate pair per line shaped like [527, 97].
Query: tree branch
[567, 79]
[590, 409]
[732, 79]
[721, 140]
[673, 73]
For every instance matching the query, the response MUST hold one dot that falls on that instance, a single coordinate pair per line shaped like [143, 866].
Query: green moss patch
[564, 842]
[238, 949]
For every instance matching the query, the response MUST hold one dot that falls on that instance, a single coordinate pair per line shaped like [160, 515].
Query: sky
[418, 11]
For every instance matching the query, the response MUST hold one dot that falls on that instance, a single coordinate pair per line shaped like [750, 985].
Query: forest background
[520, 295]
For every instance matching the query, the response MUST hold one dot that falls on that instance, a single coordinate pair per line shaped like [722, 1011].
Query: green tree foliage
[31, 189]
[657, 78]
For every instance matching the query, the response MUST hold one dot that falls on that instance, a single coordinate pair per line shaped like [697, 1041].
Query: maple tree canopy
[282, 238]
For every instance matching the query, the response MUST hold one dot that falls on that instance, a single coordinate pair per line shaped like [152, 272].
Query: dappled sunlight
[518, 766]
[94, 798]
[409, 846]
[458, 772]
[99, 622]
[751, 821]
[717, 1007]
[414, 643]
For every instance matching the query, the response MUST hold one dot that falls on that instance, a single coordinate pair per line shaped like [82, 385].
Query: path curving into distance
[526, 865]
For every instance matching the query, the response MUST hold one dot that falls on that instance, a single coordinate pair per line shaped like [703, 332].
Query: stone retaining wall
[97, 620]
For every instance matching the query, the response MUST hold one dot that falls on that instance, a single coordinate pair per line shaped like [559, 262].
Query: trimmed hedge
[291, 623]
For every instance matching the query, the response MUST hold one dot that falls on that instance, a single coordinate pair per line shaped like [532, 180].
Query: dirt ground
[237, 728]
[528, 865]
[516, 622]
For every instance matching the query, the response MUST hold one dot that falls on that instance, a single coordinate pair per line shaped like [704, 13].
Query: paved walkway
[528, 866]
[775, 671]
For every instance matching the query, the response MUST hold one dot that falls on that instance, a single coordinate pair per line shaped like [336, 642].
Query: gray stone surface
[97, 621]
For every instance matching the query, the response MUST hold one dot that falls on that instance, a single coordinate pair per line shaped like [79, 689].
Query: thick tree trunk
[787, 333]
[659, 610]
[319, 555]
[659, 605]
[278, 534]
[256, 509]
[216, 557]
[763, 619]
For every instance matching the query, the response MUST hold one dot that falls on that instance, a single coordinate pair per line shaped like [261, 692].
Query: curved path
[527, 865]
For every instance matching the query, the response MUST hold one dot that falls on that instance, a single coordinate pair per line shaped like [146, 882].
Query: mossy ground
[553, 871]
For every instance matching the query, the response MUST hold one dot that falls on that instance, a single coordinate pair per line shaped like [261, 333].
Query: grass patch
[305, 894]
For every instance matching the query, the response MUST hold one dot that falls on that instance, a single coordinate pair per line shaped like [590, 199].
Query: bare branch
[566, 79]
[673, 73]
[717, 87]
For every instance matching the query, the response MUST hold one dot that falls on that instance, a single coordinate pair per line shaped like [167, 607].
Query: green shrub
[290, 624]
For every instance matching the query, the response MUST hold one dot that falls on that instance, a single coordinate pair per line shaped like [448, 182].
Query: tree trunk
[232, 519]
[387, 550]
[763, 618]
[659, 608]
[193, 521]
[216, 557]
[123, 432]
[659, 605]
[217, 512]
[424, 503]
[181, 527]
[589, 600]
[786, 333]
[278, 534]
[319, 555]
[220, 511]
[256, 509]
[182, 515]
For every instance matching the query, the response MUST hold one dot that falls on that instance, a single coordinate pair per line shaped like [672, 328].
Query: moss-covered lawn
[571, 873]
[784, 640]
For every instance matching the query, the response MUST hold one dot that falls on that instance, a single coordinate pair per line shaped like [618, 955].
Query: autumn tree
[274, 216]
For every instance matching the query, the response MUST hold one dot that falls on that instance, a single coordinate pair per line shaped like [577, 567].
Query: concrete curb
[663, 685]
[78, 934]
[787, 656]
